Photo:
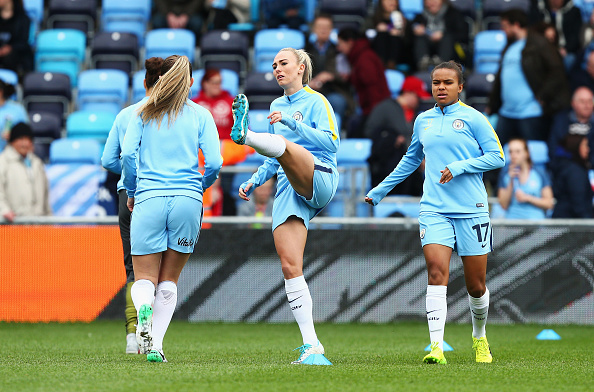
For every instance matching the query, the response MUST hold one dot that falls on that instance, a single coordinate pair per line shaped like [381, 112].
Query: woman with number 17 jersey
[458, 145]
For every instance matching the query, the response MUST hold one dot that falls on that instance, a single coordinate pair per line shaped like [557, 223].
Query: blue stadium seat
[477, 88]
[354, 180]
[261, 89]
[129, 16]
[391, 206]
[166, 42]
[102, 90]
[268, 42]
[349, 13]
[47, 92]
[61, 50]
[138, 91]
[493, 8]
[395, 80]
[72, 150]
[73, 14]
[337, 208]
[114, 50]
[225, 50]
[230, 81]
[488, 46]
[411, 8]
[258, 120]
[89, 125]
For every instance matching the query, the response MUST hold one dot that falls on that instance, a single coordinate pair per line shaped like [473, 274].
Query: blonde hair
[170, 93]
[302, 58]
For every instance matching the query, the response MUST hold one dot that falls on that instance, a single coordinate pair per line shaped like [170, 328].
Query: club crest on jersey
[422, 235]
[458, 124]
[297, 116]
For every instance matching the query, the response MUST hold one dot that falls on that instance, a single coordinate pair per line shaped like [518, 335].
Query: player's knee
[291, 268]
[437, 277]
[476, 289]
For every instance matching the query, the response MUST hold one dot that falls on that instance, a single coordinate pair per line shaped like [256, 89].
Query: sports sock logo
[296, 306]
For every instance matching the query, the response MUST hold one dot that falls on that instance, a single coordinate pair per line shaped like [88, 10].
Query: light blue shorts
[287, 202]
[165, 222]
[467, 236]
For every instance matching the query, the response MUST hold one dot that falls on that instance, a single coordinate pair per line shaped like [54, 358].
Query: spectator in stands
[567, 20]
[15, 51]
[261, 202]
[577, 121]
[11, 112]
[582, 74]
[438, 30]
[530, 84]
[326, 78]
[392, 40]
[221, 13]
[179, 14]
[24, 189]
[283, 12]
[217, 101]
[548, 31]
[571, 186]
[390, 126]
[367, 76]
[524, 190]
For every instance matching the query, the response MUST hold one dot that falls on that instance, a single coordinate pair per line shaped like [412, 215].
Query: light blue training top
[168, 155]
[11, 113]
[308, 120]
[460, 139]
[517, 98]
[111, 159]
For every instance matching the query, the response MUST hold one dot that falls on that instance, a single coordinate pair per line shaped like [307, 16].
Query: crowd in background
[542, 91]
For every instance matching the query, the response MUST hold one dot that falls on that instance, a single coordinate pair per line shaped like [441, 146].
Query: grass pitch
[256, 357]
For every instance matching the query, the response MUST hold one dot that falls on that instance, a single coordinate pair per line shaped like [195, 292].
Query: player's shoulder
[470, 111]
[426, 114]
[314, 95]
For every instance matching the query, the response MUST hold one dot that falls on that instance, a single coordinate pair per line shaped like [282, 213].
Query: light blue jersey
[460, 139]
[168, 156]
[310, 122]
[113, 146]
[537, 180]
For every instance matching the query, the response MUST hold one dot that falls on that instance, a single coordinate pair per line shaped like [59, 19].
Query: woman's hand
[130, 203]
[368, 200]
[446, 176]
[275, 117]
[243, 191]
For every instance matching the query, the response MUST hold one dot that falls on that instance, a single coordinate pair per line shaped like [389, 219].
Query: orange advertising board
[58, 273]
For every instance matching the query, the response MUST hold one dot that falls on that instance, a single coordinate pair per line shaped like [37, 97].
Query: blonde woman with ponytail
[164, 187]
[301, 146]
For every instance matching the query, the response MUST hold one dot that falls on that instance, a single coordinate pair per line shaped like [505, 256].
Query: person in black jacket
[571, 186]
[437, 31]
[530, 85]
[15, 51]
[567, 20]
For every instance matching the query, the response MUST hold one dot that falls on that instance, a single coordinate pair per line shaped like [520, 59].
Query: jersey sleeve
[487, 139]
[110, 159]
[408, 164]
[211, 149]
[325, 133]
[263, 174]
[130, 152]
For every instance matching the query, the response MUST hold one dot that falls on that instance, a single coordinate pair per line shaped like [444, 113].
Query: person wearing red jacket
[217, 101]
[367, 76]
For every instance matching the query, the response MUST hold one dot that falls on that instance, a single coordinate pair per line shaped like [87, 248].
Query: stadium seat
[411, 8]
[81, 151]
[89, 125]
[468, 9]
[268, 42]
[46, 128]
[493, 8]
[395, 80]
[230, 81]
[488, 46]
[166, 42]
[354, 180]
[258, 120]
[47, 92]
[61, 50]
[102, 90]
[339, 208]
[391, 206]
[129, 16]
[261, 89]
[138, 91]
[345, 13]
[114, 50]
[225, 50]
[477, 88]
[73, 14]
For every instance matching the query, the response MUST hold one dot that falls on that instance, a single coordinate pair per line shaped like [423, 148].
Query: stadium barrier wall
[358, 270]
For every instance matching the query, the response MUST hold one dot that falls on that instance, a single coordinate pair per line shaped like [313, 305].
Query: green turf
[256, 357]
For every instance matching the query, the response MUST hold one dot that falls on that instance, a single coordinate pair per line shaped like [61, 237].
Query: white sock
[301, 305]
[479, 309]
[267, 144]
[165, 302]
[143, 292]
[437, 310]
